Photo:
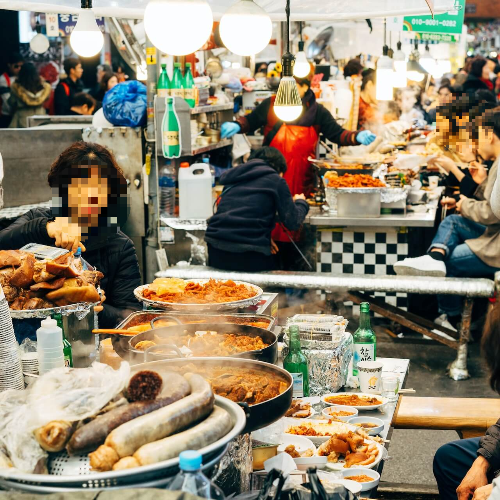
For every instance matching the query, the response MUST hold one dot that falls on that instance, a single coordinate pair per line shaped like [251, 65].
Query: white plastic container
[195, 191]
[49, 346]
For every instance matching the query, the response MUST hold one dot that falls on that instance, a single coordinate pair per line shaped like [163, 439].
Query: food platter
[322, 426]
[192, 307]
[80, 308]
[340, 465]
[370, 407]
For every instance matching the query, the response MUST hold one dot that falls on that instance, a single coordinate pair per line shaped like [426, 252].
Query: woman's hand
[483, 493]
[478, 172]
[441, 161]
[460, 201]
[449, 203]
[474, 479]
[66, 233]
[100, 307]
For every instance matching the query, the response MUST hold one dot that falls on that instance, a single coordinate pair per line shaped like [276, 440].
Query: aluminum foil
[80, 310]
[328, 363]
[392, 195]
[466, 287]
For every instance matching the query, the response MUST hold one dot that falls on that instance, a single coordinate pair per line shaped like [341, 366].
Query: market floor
[412, 451]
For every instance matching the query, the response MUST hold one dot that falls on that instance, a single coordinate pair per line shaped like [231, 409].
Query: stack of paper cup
[50, 346]
[11, 375]
[29, 362]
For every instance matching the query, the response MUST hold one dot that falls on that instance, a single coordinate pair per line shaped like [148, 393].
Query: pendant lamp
[414, 70]
[399, 59]
[385, 74]
[39, 43]
[86, 39]
[288, 104]
[302, 67]
[427, 61]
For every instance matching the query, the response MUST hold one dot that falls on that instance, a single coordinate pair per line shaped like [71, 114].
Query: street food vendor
[297, 140]
[89, 205]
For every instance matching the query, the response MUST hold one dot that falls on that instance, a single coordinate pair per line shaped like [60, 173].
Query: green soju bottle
[296, 364]
[189, 87]
[365, 341]
[171, 131]
[163, 87]
[177, 85]
[67, 351]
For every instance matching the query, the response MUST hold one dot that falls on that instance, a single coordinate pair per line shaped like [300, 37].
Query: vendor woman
[90, 204]
[297, 140]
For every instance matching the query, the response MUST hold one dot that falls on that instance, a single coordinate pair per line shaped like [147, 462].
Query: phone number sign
[449, 23]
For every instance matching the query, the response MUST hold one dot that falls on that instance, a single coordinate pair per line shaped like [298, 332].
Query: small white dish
[371, 431]
[301, 443]
[382, 400]
[354, 487]
[329, 410]
[314, 461]
[353, 471]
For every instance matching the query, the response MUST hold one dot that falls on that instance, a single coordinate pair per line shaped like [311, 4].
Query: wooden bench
[356, 288]
[470, 417]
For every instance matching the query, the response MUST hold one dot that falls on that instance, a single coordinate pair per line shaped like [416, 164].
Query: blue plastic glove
[229, 129]
[365, 137]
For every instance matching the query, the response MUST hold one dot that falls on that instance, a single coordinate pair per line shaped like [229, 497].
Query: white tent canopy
[301, 10]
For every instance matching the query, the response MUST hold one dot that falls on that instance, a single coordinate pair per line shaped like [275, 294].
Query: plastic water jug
[49, 346]
[195, 191]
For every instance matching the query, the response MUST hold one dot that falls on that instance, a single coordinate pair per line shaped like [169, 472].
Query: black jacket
[63, 95]
[473, 84]
[115, 257]
[489, 446]
[246, 216]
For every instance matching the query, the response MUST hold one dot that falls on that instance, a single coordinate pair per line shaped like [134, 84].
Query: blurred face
[442, 127]
[87, 198]
[406, 101]
[76, 72]
[485, 144]
[302, 90]
[466, 147]
[112, 82]
[445, 96]
[15, 68]
[486, 71]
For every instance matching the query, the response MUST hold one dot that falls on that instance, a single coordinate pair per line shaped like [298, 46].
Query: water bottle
[50, 347]
[191, 480]
[167, 190]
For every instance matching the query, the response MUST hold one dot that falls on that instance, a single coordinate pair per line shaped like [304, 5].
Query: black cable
[287, 12]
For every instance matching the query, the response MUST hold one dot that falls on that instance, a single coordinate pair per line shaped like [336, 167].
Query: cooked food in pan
[144, 327]
[352, 400]
[177, 291]
[353, 181]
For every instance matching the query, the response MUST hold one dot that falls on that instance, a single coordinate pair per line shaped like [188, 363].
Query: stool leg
[458, 369]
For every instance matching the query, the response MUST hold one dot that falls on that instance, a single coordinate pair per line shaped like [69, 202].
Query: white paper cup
[434, 181]
[370, 375]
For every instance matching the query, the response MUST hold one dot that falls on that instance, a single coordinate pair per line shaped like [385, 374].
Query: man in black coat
[67, 88]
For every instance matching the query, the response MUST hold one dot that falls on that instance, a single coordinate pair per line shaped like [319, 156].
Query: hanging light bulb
[246, 28]
[301, 67]
[39, 43]
[427, 61]
[414, 71]
[400, 79]
[288, 104]
[178, 27]
[385, 73]
[86, 39]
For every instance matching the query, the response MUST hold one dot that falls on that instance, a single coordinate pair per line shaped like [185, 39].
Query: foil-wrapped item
[80, 310]
[328, 362]
[392, 195]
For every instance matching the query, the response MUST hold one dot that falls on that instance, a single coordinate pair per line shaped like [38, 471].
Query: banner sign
[67, 22]
[447, 23]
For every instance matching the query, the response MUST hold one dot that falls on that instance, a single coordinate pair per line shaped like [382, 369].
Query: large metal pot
[258, 415]
[269, 354]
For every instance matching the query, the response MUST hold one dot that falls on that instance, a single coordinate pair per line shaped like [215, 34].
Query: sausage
[93, 434]
[129, 437]
[54, 435]
[217, 425]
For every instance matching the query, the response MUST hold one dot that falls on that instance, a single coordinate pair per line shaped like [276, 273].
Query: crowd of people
[24, 93]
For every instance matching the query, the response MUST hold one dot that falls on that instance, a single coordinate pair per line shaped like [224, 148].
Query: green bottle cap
[365, 307]
[177, 65]
[188, 65]
[163, 66]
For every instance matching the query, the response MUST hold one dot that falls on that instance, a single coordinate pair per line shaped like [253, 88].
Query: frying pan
[269, 354]
[258, 415]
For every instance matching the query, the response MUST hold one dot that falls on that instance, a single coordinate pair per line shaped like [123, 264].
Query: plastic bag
[125, 104]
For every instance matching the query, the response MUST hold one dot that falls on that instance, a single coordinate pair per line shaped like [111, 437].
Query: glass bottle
[177, 85]
[296, 364]
[171, 131]
[67, 351]
[163, 87]
[189, 87]
[364, 338]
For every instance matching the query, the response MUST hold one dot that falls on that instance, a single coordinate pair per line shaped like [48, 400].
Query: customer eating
[239, 234]
[89, 206]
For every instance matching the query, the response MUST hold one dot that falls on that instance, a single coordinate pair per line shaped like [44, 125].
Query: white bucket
[195, 192]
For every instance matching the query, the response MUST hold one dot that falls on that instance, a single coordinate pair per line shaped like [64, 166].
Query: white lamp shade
[39, 43]
[302, 67]
[246, 28]
[288, 104]
[428, 63]
[400, 78]
[415, 76]
[86, 39]
[178, 27]
[385, 76]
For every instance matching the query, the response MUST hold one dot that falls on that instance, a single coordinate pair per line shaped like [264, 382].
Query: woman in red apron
[297, 141]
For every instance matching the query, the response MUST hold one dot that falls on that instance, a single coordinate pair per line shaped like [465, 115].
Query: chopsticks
[444, 209]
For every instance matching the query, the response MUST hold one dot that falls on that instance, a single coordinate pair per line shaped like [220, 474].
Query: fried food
[340, 413]
[211, 292]
[354, 181]
[299, 409]
[144, 344]
[352, 400]
[290, 449]
[361, 479]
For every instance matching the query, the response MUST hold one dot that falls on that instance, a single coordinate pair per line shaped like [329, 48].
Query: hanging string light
[86, 39]
[288, 104]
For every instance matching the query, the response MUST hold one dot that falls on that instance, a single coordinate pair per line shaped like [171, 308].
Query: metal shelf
[211, 147]
[212, 109]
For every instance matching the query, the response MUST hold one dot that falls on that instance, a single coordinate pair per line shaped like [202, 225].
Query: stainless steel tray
[124, 478]
[221, 306]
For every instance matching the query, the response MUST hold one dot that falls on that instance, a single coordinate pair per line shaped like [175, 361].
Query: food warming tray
[219, 306]
[146, 476]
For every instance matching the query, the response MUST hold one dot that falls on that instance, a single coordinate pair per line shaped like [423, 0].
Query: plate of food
[371, 425]
[198, 295]
[351, 181]
[359, 401]
[318, 431]
[300, 409]
[367, 478]
[303, 452]
[350, 449]
[342, 413]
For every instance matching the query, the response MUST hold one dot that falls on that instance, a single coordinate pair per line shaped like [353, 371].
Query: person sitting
[465, 245]
[83, 104]
[238, 236]
[89, 205]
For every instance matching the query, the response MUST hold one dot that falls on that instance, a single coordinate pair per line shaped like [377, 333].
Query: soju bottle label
[177, 93]
[363, 352]
[189, 94]
[171, 138]
[298, 385]
[163, 92]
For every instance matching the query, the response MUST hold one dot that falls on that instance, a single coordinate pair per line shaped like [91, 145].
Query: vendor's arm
[256, 119]
[333, 131]
[29, 228]
[122, 280]
[291, 213]
[489, 447]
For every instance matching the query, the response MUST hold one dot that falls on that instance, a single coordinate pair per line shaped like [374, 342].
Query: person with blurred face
[14, 65]
[66, 89]
[89, 206]
[108, 81]
[83, 104]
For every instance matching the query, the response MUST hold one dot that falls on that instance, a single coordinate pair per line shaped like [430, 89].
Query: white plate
[301, 443]
[368, 420]
[333, 428]
[358, 471]
[328, 409]
[354, 487]
[340, 464]
[360, 394]
[307, 400]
